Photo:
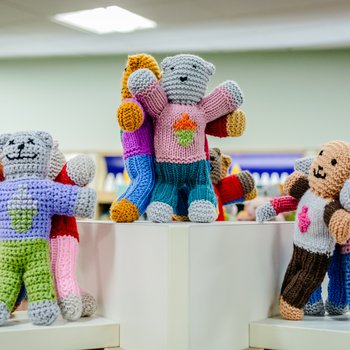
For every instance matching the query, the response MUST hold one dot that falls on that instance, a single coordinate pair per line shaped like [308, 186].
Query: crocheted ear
[45, 138]
[303, 164]
[216, 150]
[3, 140]
[166, 62]
[210, 68]
[57, 161]
[226, 161]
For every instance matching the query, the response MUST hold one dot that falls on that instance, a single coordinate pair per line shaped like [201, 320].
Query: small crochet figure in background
[228, 188]
[181, 113]
[321, 222]
[28, 200]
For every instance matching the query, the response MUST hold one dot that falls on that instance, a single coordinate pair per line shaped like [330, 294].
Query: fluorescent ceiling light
[105, 20]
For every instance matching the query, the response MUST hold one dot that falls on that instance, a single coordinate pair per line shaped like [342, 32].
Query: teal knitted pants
[171, 177]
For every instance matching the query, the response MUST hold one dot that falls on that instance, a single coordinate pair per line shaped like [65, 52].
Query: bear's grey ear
[55, 145]
[166, 62]
[3, 140]
[210, 68]
[217, 150]
[303, 164]
[45, 137]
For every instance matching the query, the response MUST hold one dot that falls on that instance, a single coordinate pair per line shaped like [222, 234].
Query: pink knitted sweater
[179, 130]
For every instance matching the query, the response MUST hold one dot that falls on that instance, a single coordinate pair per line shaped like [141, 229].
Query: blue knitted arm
[63, 199]
[72, 200]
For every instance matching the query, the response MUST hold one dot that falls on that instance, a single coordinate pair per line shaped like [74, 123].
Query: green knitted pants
[28, 261]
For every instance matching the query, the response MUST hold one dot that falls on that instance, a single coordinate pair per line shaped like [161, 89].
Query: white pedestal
[185, 286]
[87, 333]
[313, 333]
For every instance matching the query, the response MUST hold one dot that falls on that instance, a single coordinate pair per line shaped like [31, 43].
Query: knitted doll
[64, 238]
[137, 141]
[228, 189]
[320, 223]
[337, 301]
[28, 200]
[181, 114]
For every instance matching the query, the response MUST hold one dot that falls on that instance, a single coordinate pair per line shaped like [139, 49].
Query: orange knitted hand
[236, 122]
[251, 195]
[339, 226]
[130, 116]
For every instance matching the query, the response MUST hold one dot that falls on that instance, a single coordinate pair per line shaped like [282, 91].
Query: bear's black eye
[172, 68]
[194, 66]
[334, 162]
[320, 154]
[12, 142]
[31, 141]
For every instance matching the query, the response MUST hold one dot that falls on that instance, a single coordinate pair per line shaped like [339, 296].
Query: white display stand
[184, 286]
[321, 333]
[87, 333]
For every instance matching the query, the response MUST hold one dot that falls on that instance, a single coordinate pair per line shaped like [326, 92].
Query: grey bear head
[25, 154]
[185, 78]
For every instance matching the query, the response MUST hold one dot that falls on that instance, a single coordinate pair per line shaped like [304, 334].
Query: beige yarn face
[330, 169]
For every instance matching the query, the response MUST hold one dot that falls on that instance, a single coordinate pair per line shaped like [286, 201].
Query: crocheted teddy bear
[64, 239]
[228, 188]
[320, 224]
[28, 200]
[137, 141]
[339, 268]
[181, 113]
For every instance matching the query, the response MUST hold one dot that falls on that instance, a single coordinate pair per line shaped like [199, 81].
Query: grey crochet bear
[180, 113]
[28, 200]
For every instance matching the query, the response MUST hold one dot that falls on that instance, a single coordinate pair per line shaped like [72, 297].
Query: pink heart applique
[304, 221]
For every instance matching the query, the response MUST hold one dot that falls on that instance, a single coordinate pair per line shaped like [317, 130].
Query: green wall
[294, 100]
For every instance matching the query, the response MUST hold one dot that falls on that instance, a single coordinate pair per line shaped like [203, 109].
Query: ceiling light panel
[105, 20]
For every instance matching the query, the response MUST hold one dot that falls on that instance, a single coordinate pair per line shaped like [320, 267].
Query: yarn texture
[180, 114]
[321, 222]
[28, 200]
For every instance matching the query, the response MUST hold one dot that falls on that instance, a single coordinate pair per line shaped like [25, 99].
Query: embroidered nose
[183, 79]
[21, 146]
[320, 168]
